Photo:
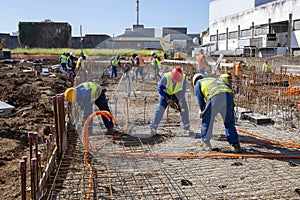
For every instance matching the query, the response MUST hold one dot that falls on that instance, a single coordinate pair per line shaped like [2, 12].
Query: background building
[254, 28]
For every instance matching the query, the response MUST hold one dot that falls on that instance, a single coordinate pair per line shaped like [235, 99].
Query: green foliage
[90, 52]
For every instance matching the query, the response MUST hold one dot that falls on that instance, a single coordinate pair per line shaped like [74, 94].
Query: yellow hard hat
[70, 94]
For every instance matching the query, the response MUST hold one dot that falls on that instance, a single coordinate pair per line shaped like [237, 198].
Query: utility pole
[81, 40]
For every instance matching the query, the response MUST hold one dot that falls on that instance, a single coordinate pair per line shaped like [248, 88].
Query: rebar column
[23, 178]
[35, 141]
[30, 142]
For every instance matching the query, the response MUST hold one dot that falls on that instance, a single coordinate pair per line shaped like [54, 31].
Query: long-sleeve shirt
[162, 89]
[199, 96]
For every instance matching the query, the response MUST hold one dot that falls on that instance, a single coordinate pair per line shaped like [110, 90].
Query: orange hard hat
[177, 74]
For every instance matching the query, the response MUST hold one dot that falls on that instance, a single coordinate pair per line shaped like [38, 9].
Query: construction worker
[139, 64]
[63, 61]
[71, 64]
[80, 68]
[214, 97]
[171, 88]
[114, 63]
[84, 95]
[155, 62]
[266, 69]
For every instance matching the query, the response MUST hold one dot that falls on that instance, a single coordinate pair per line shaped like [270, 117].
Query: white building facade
[254, 27]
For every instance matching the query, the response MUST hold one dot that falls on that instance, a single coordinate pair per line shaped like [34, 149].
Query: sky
[110, 17]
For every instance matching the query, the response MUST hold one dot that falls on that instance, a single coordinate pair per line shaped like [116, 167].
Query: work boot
[188, 132]
[197, 136]
[153, 131]
[109, 131]
[205, 146]
[236, 147]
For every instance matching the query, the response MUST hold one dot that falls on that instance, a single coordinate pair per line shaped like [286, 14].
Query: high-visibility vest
[96, 90]
[169, 86]
[80, 63]
[63, 59]
[115, 62]
[267, 67]
[69, 63]
[211, 86]
[158, 62]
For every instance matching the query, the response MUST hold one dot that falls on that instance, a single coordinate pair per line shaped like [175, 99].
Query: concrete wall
[258, 15]
[222, 8]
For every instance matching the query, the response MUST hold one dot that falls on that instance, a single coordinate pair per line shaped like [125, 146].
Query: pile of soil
[31, 95]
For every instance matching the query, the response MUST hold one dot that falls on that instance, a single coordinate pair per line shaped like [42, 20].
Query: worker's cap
[177, 74]
[72, 54]
[70, 94]
[197, 77]
[134, 55]
[224, 78]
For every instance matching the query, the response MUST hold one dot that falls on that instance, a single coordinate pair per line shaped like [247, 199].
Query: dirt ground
[23, 90]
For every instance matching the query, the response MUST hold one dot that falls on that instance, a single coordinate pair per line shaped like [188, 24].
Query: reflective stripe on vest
[96, 90]
[267, 68]
[211, 86]
[115, 62]
[80, 63]
[169, 86]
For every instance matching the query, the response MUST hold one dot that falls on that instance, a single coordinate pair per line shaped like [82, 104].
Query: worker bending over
[171, 88]
[214, 97]
[85, 95]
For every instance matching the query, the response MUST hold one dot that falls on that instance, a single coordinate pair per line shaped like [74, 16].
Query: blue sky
[107, 16]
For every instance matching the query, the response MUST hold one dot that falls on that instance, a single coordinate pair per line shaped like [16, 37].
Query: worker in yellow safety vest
[114, 63]
[266, 69]
[63, 61]
[80, 67]
[156, 63]
[213, 97]
[85, 95]
[172, 88]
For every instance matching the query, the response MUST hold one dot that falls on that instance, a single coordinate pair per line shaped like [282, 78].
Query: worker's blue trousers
[113, 71]
[221, 103]
[102, 104]
[160, 110]
[83, 99]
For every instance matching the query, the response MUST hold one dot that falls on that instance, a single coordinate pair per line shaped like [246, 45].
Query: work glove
[171, 103]
[103, 91]
[200, 114]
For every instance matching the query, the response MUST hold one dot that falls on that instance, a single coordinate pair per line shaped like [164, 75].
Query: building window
[246, 33]
[213, 38]
[297, 25]
[263, 30]
[233, 35]
[57, 31]
[222, 36]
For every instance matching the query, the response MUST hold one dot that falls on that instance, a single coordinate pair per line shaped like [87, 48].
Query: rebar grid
[129, 177]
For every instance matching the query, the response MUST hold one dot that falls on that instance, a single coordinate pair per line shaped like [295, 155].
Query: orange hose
[193, 156]
[91, 175]
[280, 142]
[88, 146]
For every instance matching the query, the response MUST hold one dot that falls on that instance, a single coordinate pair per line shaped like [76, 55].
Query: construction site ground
[133, 164]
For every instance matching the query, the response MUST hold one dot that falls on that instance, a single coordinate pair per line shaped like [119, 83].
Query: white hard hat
[197, 77]
[153, 53]
[72, 54]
